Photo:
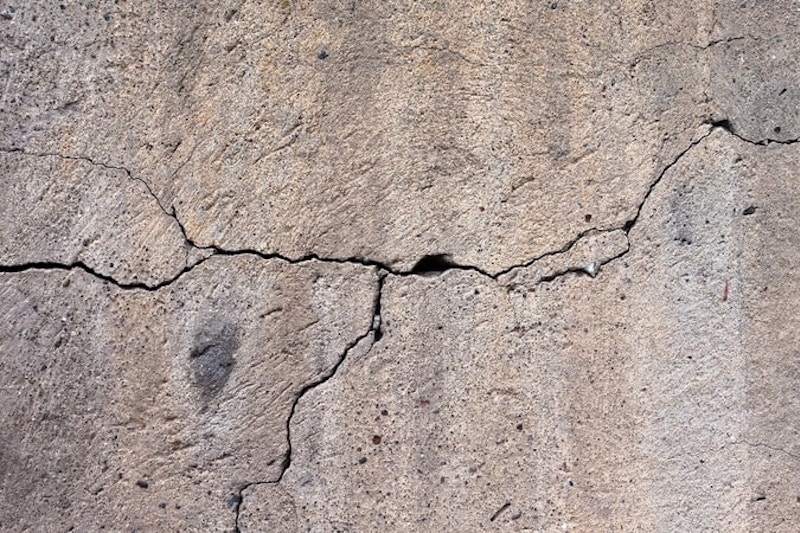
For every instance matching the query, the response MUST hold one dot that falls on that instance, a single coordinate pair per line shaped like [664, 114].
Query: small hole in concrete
[433, 264]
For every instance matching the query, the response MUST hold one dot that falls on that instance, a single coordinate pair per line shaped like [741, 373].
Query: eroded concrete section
[152, 410]
[653, 396]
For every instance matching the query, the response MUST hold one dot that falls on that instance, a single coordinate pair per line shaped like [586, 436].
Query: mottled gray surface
[352, 265]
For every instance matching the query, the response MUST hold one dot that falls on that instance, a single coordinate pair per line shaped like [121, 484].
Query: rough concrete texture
[73, 211]
[403, 266]
[649, 398]
[145, 410]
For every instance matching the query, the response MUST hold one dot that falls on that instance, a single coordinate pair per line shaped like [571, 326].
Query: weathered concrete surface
[342, 129]
[138, 410]
[580, 218]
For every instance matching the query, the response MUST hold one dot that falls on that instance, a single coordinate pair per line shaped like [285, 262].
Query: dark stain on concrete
[211, 358]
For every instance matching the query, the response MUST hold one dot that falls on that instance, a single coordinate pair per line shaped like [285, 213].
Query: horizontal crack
[726, 126]
[80, 265]
[640, 56]
[773, 448]
[441, 264]
[590, 271]
[217, 251]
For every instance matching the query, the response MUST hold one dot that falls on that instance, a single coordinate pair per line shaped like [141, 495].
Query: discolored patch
[211, 357]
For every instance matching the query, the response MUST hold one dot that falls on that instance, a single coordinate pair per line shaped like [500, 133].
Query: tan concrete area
[351, 266]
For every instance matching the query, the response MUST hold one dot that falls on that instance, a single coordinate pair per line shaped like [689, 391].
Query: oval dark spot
[234, 501]
[211, 357]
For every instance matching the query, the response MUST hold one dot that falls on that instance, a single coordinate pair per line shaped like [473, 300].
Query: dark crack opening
[428, 265]
[431, 265]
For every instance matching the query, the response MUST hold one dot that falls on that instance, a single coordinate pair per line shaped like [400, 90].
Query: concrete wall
[347, 265]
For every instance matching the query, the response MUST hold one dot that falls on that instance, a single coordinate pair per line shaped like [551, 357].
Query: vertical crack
[374, 329]
[376, 332]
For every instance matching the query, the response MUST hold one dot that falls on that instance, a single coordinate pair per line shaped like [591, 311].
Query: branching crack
[591, 271]
[375, 332]
[564, 249]
[626, 227]
[423, 267]
[426, 266]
